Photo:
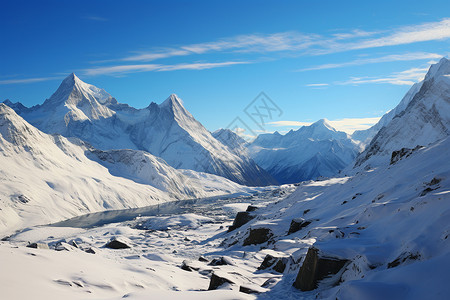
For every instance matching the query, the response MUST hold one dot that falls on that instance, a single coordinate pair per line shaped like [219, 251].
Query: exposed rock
[278, 264]
[403, 258]
[298, 224]
[251, 208]
[23, 199]
[188, 267]
[90, 250]
[251, 289]
[403, 153]
[315, 268]
[62, 246]
[38, 246]
[242, 218]
[116, 244]
[203, 259]
[258, 236]
[222, 261]
[217, 281]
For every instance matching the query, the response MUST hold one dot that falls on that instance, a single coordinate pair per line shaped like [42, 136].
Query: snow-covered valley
[148, 204]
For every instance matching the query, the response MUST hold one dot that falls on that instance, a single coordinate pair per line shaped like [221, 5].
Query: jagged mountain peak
[73, 91]
[172, 101]
[323, 124]
[438, 69]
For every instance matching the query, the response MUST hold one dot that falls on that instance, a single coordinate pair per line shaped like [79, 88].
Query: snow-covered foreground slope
[391, 223]
[46, 178]
[307, 153]
[168, 130]
[423, 117]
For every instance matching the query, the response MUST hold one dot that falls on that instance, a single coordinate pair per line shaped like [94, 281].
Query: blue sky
[347, 61]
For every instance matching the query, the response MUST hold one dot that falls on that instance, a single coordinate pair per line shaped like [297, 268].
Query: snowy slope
[168, 130]
[391, 223]
[424, 120]
[307, 153]
[46, 178]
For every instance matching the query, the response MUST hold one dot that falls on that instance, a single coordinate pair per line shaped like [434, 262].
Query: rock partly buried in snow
[251, 289]
[222, 261]
[117, 244]
[298, 224]
[38, 246]
[90, 250]
[251, 208]
[316, 267]
[189, 266]
[242, 218]
[217, 281]
[278, 264]
[258, 236]
[403, 153]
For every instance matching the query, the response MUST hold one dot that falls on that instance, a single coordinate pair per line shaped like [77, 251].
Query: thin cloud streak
[306, 44]
[407, 77]
[125, 69]
[27, 80]
[388, 58]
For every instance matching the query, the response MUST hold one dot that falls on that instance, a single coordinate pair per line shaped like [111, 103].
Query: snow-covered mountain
[232, 140]
[46, 178]
[421, 118]
[168, 130]
[307, 153]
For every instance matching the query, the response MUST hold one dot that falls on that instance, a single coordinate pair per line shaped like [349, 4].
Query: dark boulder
[116, 244]
[278, 264]
[222, 261]
[202, 259]
[38, 246]
[188, 267]
[258, 236]
[249, 290]
[242, 218]
[217, 281]
[298, 224]
[90, 250]
[315, 268]
[251, 208]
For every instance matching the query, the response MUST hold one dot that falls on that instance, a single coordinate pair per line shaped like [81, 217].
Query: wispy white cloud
[407, 77]
[387, 58]
[306, 43]
[348, 125]
[317, 85]
[27, 80]
[125, 69]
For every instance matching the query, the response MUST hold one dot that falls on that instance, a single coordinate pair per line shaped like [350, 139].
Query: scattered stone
[270, 283]
[251, 208]
[90, 250]
[74, 244]
[297, 224]
[187, 267]
[203, 259]
[222, 261]
[63, 282]
[306, 211]
[116, 244]
[217, 281]
[250, 289]
[62, 246]
[242, 218]
[258, 236]
[315, 268]
[278, 264]
[23, 199]
[38, 246]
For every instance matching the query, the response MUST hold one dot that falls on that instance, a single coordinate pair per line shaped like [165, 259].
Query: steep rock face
[168, 130]
[310, 152]
[425, 120]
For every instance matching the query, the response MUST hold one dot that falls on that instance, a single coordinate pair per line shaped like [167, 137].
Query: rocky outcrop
[117, 244]
[298, 224]
[316, 267]
[38, 246]
[258, 236]
[242, 218]
[278, 264]
[217, 281]
[403, 153]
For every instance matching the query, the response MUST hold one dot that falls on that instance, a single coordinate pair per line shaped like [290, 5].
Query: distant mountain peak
[172, 101]
[323, 123]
